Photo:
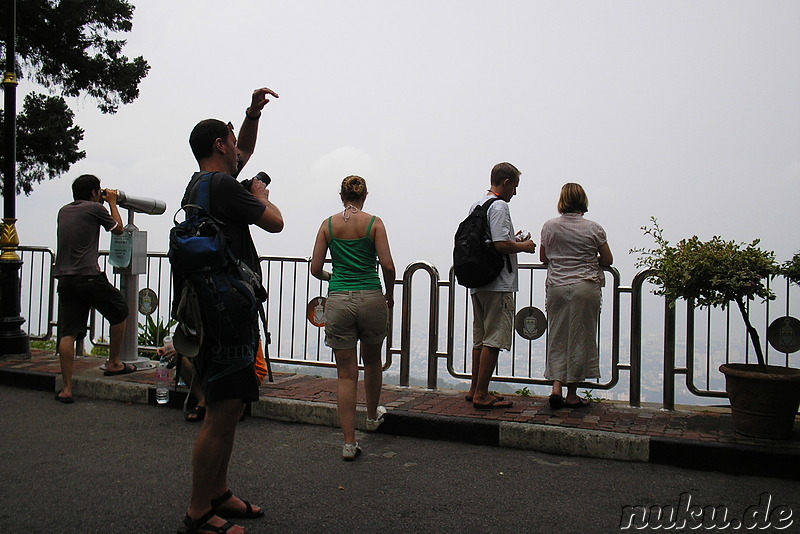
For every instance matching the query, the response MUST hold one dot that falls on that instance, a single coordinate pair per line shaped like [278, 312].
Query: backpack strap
[485, 206]
[198, 192]
[489, 203]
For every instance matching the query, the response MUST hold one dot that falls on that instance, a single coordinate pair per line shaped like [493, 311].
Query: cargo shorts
[492, 319]
[352, 316]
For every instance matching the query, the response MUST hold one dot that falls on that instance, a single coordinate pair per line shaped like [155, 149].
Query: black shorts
[228, 373]
[78, 294]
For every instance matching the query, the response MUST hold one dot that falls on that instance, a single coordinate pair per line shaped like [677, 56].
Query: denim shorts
[351, 316]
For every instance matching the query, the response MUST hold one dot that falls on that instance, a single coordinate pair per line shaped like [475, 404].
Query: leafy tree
[711, 273]
[67, 46]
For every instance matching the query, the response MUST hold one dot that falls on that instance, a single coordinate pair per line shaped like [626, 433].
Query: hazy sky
[685, 110]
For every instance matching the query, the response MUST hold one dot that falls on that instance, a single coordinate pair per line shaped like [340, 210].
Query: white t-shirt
[502, 229]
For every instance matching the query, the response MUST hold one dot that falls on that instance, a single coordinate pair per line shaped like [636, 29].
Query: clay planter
[763, 405]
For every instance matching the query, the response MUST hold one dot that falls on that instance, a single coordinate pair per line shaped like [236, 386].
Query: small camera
[262, 176]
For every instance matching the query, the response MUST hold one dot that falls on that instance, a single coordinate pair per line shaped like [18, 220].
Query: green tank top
[355, 262]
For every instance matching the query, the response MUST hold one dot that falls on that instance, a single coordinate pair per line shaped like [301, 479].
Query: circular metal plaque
[315, 312]
[148, 301]
[784, 334]
[530, 323]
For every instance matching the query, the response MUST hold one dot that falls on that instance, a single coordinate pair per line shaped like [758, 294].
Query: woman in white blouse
[574, 250]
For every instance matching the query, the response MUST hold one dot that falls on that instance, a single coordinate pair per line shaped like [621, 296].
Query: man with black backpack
[493, 302]
[226, 366]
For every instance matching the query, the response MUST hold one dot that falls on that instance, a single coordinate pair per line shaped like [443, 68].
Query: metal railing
[704, 351]
[435, 305]
[524, 363]
[295, 340]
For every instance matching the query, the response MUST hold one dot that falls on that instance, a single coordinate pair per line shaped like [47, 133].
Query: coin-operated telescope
[129, 249]
[128, 255]
[150, 206]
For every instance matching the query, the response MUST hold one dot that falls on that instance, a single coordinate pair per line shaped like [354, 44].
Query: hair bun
[354, 187]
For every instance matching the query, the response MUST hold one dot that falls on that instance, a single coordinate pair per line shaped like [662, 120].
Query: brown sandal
[249, 512]
[196, 415]
[193, 526]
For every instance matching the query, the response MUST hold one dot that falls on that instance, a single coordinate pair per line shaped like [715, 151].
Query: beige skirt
[572, 314]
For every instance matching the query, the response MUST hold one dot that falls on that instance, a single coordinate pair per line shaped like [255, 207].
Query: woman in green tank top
[356, 309]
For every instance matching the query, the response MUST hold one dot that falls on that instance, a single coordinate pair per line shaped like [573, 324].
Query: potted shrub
[764, 398]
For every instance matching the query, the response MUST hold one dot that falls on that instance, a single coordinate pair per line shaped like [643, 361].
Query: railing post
[433, 324]
[635, 384]
[405, 331]
[669, 355]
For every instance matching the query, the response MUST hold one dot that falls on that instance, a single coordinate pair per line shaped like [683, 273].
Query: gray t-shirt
[78, 237]
[502, 229]
[571, 244]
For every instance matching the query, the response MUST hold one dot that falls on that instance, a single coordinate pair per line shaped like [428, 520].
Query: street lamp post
[13, 340]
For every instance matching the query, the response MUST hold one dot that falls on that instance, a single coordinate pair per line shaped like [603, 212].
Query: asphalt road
[104, 466]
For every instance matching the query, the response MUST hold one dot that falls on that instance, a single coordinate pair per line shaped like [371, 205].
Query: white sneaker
[350, 451]
[373, 424]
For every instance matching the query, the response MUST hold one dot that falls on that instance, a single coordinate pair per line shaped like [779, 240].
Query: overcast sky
[684, 110]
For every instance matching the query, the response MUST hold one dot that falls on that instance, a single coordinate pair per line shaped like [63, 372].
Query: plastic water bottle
[162, 381]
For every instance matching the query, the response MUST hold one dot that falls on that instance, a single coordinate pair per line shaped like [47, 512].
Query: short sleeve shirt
[502, 229]
[78, 237]
[236, 208]
[571, 244]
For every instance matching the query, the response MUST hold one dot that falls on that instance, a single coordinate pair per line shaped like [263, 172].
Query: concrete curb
[575, 442]
[21, 378]
[108, 389]
[296, 411]
[449, 428]
[725, 457]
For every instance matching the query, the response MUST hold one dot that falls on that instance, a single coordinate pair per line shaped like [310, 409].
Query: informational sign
[530, 323]
[120, 251]
[784, 334]
[315, 312]
[148, 301]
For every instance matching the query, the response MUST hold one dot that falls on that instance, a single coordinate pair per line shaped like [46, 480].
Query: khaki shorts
[492, 319]
[351, 316]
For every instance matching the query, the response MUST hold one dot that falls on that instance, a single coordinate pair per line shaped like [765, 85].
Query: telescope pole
[129, 287]
[13, 340]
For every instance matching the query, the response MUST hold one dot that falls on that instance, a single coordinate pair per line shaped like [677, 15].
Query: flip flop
[64, 400]
[249, 513]
[127, 368]
[196, 415]
[556, 401]
[493, 405]
[582, 403]
[468, 398]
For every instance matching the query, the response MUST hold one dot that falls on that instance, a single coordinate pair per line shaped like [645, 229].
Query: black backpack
[217, 296]
[475, 260]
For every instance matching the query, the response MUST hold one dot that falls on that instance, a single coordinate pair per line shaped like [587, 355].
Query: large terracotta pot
[763, 405]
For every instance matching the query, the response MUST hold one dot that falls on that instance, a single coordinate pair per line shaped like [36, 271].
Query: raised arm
[110, 196]
[246, 144]
[385, 260]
